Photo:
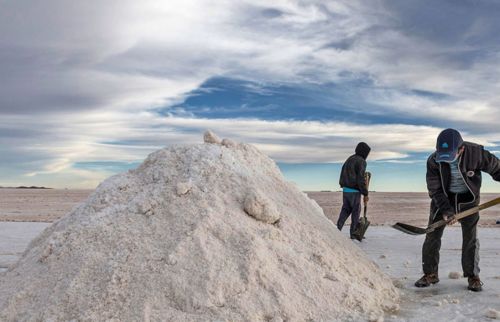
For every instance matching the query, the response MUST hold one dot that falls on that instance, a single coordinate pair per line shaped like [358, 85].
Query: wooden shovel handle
[465, 213]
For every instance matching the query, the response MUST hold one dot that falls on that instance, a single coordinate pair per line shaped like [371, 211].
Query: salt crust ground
[171, 241]
[400, 256]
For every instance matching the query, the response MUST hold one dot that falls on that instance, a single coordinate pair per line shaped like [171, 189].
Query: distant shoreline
[25, 187]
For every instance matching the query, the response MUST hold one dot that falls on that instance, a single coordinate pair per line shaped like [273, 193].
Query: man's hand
[365, 199]
[450, 218]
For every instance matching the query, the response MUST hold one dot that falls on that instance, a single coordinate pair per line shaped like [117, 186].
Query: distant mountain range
[24, 187]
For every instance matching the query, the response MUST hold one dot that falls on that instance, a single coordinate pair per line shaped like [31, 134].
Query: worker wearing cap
[454, 183]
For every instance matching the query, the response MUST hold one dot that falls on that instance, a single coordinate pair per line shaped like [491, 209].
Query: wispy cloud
[110, 138]
[76, 78]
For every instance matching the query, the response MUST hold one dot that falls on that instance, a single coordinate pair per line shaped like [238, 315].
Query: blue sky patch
[222, 97]
[109, 166]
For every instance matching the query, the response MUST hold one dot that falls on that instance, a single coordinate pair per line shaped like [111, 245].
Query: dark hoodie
[474, 160]
[353, 170]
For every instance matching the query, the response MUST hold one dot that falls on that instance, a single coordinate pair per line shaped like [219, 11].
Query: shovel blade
[409, 229]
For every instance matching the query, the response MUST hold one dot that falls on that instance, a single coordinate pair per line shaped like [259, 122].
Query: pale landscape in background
[385, 208]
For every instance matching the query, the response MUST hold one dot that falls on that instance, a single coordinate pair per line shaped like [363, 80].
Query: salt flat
[384, 208]
[397, 254]
[38, 205]
[14, 237]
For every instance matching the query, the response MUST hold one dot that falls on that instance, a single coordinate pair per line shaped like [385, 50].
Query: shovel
[364, 223]
[412, 230]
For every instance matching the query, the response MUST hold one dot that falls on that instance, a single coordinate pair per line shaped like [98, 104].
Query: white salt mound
[454, 275]
[143, 248]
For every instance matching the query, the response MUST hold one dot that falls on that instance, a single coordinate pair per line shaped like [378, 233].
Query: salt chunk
[210, 137]
[277, 319]
[331, 277]
[257, 206]
[183, 188]
[493, 314]
[228, 143]
[454, 275]
[144, 207]
[398, 283]
[171, 260]
[376, 317]
[46, 252]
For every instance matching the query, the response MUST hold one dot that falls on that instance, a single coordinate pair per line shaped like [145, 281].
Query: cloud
[79, 80]
[125, 137]
[116, 55]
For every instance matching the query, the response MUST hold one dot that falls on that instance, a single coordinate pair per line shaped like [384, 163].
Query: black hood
[363, 150]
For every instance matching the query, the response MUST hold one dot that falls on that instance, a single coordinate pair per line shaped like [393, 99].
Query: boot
[475, 284]
[427, 280]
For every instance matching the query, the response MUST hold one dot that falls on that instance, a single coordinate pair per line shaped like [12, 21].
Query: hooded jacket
[473, 160]
[353, 170]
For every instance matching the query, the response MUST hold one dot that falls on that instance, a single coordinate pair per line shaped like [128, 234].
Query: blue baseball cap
[447, 145]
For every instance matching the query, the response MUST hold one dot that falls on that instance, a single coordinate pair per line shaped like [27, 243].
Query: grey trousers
[351, 206]
[470, 243]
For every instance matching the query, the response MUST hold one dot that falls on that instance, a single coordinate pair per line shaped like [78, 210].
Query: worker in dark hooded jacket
[454, 183]
[352, 181]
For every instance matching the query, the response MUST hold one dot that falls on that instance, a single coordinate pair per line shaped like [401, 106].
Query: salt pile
[195, 233]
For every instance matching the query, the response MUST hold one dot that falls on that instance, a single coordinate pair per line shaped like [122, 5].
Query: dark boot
[427, 280]
[475, 284]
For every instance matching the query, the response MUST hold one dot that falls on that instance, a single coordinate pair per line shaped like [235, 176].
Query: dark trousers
[470, 243]
[351, 206]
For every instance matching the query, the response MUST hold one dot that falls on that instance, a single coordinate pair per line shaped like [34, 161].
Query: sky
[90, 88]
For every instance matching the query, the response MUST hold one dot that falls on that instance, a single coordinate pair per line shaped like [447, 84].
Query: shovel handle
[368, 177]
[413, 230]
[465, 213]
